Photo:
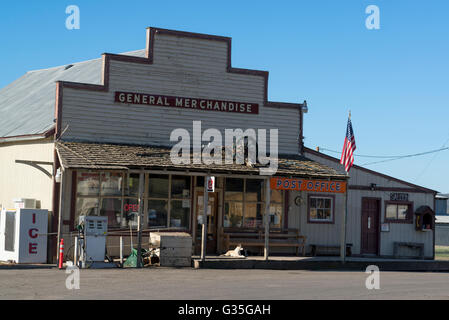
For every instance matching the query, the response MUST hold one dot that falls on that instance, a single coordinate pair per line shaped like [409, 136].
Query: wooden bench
[255, 237]
[413, 245]
[318, 249]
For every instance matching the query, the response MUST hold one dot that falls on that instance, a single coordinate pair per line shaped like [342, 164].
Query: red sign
[131, 207]
[32, 247]
[186, 103]
[308, 185]
[210, 184]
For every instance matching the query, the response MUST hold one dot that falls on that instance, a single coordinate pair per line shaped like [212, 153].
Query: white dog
[238, 252]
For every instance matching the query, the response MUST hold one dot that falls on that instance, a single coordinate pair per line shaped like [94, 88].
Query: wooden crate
[175, 248]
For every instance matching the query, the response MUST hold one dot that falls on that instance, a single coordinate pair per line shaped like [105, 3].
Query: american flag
[347, 155]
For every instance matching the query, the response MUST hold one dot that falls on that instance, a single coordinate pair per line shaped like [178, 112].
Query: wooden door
[212, 234]
[370, 226]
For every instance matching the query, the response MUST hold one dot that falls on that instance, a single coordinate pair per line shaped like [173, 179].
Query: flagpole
[345, 217]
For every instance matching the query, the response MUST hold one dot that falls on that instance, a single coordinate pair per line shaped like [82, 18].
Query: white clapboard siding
[399, 232]
[316, 233]
[184, 67]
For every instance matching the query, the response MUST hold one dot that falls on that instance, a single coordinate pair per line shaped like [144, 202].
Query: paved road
[165, 283]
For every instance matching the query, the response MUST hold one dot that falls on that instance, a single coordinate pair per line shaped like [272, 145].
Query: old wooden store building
[82, 138]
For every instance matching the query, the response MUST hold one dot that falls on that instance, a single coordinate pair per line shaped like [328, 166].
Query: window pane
[402, 211]
[158, 186]
[111, 184]
[276, 196]
[200, 181]
[88, 184]
[313, 214]
[254, 190]
[179, 215]
[391, 211]
[86, 207]
[157, 213]
[320, 203]
[233, 214]
[180, 187]
[253, 215]
[112, 208]
[327, 214]
[130, 213]
[320, 209]
[275, 215]
[132, 185]
[234, 189]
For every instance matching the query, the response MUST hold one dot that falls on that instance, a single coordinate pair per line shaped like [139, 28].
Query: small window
[398, 211]
[321, 209]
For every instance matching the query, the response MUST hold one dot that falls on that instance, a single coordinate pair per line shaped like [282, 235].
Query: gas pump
[92, 231]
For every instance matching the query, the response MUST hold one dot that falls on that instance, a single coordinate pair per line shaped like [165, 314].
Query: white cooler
[23, 235]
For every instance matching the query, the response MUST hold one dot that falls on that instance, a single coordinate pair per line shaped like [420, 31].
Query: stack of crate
[175, 248]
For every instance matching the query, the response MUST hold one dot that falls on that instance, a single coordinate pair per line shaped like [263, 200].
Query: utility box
[23, 235]
[175, 248]
[23, 203]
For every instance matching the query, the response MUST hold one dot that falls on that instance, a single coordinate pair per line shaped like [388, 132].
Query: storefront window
[111, 184]
[234, 189]
[88, 184]
[165, 190]
[130, 212]
[132, 185]
[100, 193]
[233, 217]
[245, 204]
[112, 208]
[254, 190]
[157, 213]
[254, 215]
[179, 214]
[86, 207]
[158, 186]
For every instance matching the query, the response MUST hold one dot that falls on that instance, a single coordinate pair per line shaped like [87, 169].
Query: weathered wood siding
[186, 67]
[402, 232]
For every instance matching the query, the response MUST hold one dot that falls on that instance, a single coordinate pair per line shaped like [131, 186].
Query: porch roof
[82, 155]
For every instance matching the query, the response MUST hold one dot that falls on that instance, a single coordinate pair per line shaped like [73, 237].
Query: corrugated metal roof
[27, 105]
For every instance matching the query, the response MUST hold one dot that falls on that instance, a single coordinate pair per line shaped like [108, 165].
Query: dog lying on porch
[238, 252]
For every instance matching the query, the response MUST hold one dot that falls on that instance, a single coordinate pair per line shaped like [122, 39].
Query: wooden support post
[344, 214]
[139, 220]
[75, 252]
[60, 214]
[121, 250]
[204, 224]
[267, 217]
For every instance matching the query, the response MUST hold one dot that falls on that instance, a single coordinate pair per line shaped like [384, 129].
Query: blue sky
[394, 80]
